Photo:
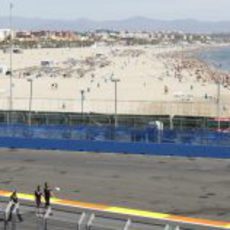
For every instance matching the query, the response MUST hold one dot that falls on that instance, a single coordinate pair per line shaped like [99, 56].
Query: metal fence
[147, 134]
[49, 118]
[59, 219]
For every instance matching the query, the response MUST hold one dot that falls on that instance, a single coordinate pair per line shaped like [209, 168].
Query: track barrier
[193, 143]
[86, 216]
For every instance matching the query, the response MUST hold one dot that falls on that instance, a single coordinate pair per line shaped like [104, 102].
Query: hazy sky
[120, 9]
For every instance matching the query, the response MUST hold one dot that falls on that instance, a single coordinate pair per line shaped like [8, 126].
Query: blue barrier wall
[119, 134]
[184, 150]
[147, 140]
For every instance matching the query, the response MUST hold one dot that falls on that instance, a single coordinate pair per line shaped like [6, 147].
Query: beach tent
[47, 63]
[3, 69]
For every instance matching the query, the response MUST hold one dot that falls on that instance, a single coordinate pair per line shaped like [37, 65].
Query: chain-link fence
[71, 119]
[152, 133]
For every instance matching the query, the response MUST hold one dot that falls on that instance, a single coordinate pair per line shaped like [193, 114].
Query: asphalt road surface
[185, 186]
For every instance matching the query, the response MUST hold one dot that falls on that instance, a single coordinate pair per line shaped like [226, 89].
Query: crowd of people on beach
[184, 68]
[176, 62]
[200, 70]
[161, 73]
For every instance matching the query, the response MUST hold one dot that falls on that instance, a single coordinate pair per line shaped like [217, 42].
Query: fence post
[82, 217]
[92, 217]
[7, 214]
[15, 214]
[170, 227]
[127, 225]
[45, 218]
[7, 210]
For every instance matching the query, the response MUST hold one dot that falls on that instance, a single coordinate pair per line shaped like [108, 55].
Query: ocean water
[218, 57]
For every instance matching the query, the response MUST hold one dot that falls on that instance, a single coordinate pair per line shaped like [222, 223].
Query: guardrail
[69, 217]
[94, 221]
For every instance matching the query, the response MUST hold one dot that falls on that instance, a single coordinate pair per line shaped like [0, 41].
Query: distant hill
[131, 24]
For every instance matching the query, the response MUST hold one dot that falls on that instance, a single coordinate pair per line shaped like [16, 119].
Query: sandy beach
[152, 80]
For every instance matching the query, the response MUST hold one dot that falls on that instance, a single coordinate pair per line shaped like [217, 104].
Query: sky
[211, 10]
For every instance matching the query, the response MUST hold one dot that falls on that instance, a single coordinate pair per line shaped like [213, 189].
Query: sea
[217, 57]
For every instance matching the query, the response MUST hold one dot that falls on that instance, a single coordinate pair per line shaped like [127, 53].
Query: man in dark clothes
[38, 198]
[47, 195]
[14, 197]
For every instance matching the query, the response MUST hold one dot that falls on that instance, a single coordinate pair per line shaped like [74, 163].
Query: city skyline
[204, 10]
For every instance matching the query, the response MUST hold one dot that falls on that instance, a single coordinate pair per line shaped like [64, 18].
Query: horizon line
[118, 19]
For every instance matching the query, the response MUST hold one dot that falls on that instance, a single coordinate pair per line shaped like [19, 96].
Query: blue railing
[118, 134]
[148, 140]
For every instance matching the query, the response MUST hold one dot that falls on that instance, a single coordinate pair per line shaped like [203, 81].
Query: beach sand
[153, 80]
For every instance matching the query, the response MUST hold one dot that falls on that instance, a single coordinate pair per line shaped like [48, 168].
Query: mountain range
[130, 24]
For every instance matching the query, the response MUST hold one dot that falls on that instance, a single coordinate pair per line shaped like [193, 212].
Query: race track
[184, 186]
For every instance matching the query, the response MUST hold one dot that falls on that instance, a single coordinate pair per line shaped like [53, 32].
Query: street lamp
[82, 101]
[115, 81]
[218, 102]
[30, 100]
[9, 120]
[218, 97]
